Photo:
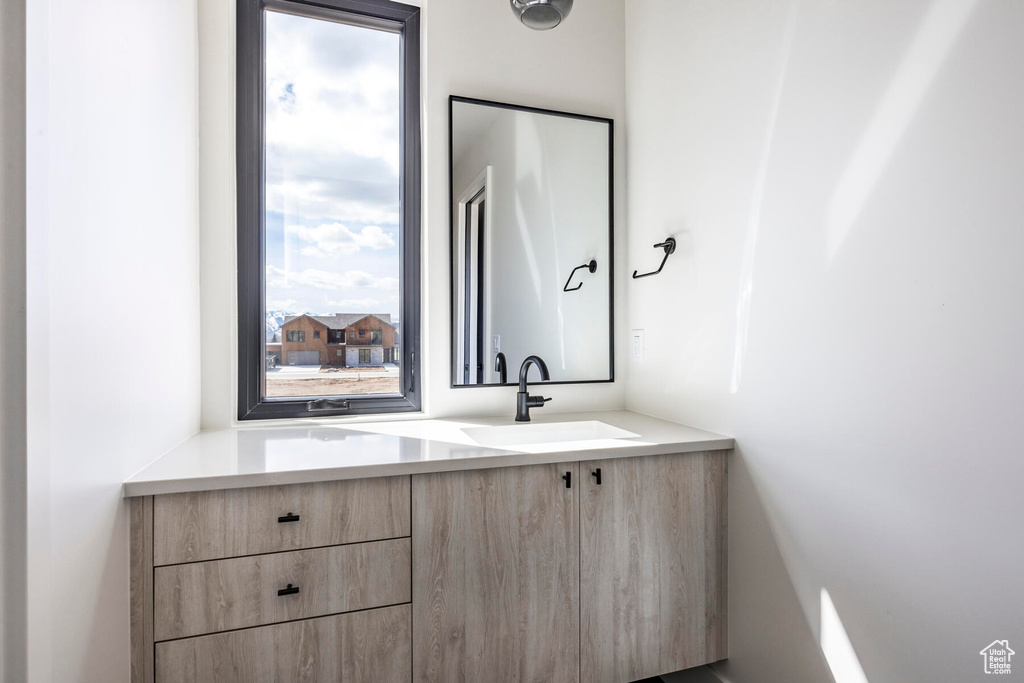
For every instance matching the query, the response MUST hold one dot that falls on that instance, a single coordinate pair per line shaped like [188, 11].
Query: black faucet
[501, 368]
[523, 400]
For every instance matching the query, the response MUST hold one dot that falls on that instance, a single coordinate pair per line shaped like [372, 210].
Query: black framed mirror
[531, 197]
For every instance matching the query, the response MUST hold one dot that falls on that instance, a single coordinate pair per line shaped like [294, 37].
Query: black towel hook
[592, 266]
[669, 246]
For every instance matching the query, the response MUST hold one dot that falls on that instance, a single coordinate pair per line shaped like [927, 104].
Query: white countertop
[237, 458]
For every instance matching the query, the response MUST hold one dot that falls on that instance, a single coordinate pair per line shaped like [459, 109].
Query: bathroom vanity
[584, 547]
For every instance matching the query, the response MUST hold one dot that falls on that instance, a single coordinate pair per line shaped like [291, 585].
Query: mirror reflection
[531, 235]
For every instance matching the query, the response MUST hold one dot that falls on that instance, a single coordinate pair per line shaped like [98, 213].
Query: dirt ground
[327, 370]
[334, 384]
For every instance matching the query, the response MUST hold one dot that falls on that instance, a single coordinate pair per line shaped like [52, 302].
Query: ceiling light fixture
[541, 15]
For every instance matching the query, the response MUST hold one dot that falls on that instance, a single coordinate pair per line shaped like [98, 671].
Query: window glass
[332, 188]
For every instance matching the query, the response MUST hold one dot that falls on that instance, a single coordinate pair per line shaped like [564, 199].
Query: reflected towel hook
[669, 246]
[592, 266]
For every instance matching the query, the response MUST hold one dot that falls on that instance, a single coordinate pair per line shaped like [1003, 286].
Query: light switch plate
[638, 345]
[497, 342]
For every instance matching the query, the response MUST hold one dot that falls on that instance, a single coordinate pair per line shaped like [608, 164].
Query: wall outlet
[638, 346]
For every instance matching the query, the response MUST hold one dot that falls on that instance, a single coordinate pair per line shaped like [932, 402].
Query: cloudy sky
[332, 164]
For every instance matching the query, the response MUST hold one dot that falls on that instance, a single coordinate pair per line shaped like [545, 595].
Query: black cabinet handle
[568, 479]
[597, 475]
[289, 590]
[288, 518]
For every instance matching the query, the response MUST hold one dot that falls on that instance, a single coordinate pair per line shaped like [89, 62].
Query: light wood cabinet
[305, 582]
[526, 574]
[619, 578]
[361, 647]
[652, 565]
[495, 576]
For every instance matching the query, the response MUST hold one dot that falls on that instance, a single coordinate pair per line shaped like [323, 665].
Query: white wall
[218, 309]
[844, 181]
[12, 342]
[473, 48]
[542, 222]
[113, 305]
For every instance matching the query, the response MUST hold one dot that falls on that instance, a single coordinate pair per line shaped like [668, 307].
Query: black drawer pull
[288, 518]
[289, 590]
[597, 475]
[568, 479]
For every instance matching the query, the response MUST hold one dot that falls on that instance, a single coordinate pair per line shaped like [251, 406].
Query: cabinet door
[652, 571]
[496, 575]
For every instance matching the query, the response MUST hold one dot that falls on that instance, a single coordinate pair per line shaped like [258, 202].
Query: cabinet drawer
[373, 646]
[221, 595]
[189, 527]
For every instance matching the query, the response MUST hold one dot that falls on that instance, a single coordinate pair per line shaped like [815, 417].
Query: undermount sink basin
[510, 436]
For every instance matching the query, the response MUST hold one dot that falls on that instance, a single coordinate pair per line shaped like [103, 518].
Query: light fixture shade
[541, 15]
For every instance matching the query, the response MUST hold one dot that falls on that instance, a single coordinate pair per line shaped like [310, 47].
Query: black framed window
[296, 336]
[328, 163]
